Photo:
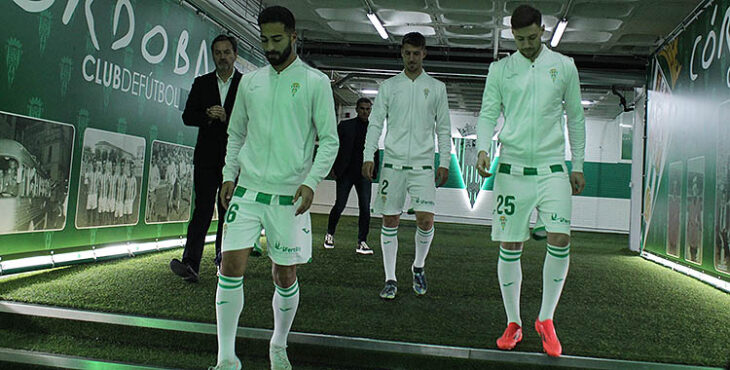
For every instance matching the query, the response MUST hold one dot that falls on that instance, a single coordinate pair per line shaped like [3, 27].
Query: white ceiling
[609, 39]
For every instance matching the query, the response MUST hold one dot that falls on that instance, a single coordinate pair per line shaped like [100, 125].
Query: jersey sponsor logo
[554, 73]
[294, 88]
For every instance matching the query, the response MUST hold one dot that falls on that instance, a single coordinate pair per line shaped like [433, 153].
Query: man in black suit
[347, 172]
[203, 109]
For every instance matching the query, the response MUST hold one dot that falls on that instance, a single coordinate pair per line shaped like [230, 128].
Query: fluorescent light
[587, 102]
[369, 91]
[378, 26]
[558, 33]
[717, 283]
[89, 255]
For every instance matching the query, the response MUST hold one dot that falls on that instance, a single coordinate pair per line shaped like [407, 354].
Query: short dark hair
[278, 14]
[230, 39]
[525, 15]
[415, 39]
[363, 100]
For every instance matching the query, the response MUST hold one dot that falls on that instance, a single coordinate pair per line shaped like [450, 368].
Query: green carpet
[615, 304]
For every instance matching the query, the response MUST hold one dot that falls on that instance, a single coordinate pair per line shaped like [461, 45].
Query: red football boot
[512, 335]
[550, 342]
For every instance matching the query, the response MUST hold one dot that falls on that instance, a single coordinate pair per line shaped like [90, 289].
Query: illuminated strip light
[378, 26]
[92, 255]
[369, 91]
[558, 34]
[717, 283]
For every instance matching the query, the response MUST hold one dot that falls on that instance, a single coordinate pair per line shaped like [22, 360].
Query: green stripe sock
[389, 244]
[229, 301]
[554, 272]
[285, 303]
[509, 272]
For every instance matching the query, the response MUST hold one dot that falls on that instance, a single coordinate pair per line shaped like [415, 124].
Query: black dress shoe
[183, 270]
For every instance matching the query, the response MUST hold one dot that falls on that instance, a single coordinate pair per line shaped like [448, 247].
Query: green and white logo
[122, 125]
[14, 50]
[44, 29]
[65, 74]
[35, 107]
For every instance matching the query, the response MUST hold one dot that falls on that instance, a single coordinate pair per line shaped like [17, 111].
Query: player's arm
[323, 117]
[491, 108]
[443, 134]
[195, 111]
[576, 128]
[237, 131]
[375, 129]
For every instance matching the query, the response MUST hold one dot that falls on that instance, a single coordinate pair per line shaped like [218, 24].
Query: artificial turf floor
[614, 305]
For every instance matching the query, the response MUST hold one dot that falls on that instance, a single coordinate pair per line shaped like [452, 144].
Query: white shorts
[517, 191]
[289, 237]
[394, 183]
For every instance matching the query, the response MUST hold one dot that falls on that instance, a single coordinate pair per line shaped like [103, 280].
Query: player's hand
[577, 182]
[367, 170]
[442, 174]
[307, 195]
[227, 193]
[483, 164]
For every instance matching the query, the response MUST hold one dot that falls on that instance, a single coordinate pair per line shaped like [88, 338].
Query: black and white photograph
[722, 194]
[170, 183]
[674, 208]
[111, 179]
[35, 167]
[694, 218]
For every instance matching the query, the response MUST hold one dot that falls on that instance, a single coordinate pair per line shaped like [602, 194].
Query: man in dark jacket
[347, 172]
[208, 107]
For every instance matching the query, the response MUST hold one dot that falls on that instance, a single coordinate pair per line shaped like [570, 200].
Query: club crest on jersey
[503, 221]
[553, 73]
[294, 88]
[425, 93]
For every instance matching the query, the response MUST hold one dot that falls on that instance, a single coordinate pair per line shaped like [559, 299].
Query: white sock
[389, 243]
[557, 260]
[285, 303]
[228, 306]
[509, 272]
[423, 244]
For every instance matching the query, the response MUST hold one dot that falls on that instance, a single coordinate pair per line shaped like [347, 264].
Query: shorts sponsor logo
[558, 219]
[281, 248]
[421, 201]
[503, 221]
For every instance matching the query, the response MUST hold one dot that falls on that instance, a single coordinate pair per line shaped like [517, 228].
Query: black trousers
[207, 182]
[362, 187]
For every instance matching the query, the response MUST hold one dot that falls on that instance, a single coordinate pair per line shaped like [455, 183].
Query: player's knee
[558, 239]
[425, 224]
[232, 266]
[510, 246]
[391, 221]
[283, 276]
